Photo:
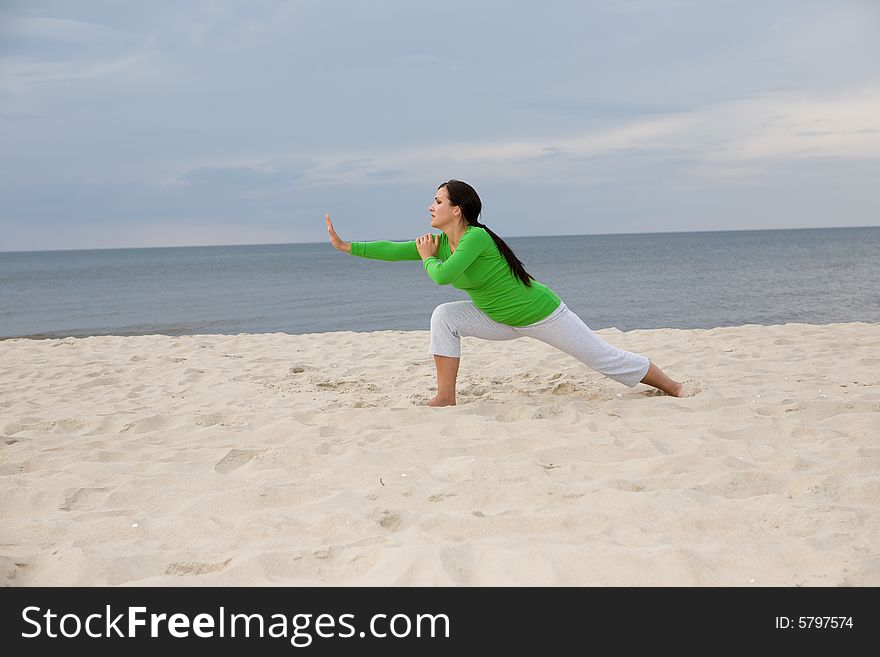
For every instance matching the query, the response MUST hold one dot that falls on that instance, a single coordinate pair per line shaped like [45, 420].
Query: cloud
[808, 127]
[19, 72]
[725, 139]
[65, 30]
[41, 50]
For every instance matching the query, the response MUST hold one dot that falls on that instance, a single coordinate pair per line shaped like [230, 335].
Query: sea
[631, 281]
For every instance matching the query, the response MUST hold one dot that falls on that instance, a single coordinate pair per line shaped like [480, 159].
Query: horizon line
[208, 246]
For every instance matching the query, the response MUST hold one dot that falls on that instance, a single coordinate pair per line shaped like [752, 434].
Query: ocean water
[680, 280]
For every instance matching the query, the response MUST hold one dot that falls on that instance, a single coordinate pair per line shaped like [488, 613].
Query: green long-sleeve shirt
[478, 268]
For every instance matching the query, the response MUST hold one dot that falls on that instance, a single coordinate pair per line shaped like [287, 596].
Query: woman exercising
[506, 302]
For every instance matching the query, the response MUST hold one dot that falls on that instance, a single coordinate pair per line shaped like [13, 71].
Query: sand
[311, 460]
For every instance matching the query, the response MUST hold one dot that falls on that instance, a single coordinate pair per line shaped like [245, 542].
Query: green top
[478, 268]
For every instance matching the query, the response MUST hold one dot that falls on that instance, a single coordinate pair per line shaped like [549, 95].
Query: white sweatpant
[561, 329]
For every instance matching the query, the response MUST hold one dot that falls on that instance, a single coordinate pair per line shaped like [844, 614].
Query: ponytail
[516, 267]
[464, 196]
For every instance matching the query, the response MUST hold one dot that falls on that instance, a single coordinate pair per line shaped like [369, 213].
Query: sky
[173, 122]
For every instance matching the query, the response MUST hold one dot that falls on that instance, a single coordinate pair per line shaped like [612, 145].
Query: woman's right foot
[689, 388]
[441, 401]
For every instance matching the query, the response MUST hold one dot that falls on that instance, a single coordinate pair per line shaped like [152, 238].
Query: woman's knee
[445, 339]
[440, 312]
[444, 315]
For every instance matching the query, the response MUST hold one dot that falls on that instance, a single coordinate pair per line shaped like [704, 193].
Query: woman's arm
[386, 250]
[373, 250]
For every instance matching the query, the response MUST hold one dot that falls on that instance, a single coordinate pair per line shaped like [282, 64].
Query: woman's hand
[335, 240]
[427, 245]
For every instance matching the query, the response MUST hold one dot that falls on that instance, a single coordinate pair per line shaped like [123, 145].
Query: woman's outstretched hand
[335, 240]
[427, 245]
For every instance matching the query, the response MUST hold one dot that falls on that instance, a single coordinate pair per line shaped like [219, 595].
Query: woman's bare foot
[441, 401]
[657, 378]
[689, 388]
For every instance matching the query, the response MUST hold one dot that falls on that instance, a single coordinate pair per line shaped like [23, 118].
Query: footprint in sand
[10, 568]
[389, 520]
[193, 374]
[457, 561]
[79, 498]
[13, 468]
[661, 447]
[235, 459]
[30, 425]
[439, 497]
[214, 419]
[564, 388]
[194, 567]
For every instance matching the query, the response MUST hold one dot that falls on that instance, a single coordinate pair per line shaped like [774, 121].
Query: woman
[506, 302]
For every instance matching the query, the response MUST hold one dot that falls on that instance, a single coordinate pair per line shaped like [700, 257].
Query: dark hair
[465, 197]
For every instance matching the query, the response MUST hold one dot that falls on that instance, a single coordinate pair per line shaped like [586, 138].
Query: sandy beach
[311, 460]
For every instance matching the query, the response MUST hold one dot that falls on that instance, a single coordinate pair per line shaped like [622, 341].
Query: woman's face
[442, 212]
